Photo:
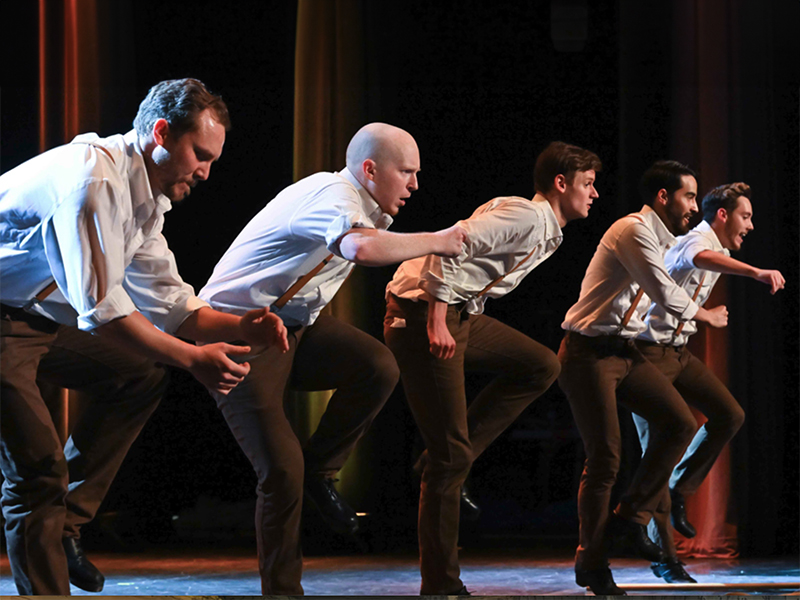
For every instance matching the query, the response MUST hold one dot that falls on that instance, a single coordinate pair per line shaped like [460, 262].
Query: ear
[722, 215]
[368, 168]
[560, 183]
[662, 196]
[160, 131]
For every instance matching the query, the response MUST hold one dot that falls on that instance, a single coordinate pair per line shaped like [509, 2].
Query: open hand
[260, 327]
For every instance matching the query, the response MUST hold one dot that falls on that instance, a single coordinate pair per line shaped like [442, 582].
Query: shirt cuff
[689, 312]
[115, 305]
[178, 313]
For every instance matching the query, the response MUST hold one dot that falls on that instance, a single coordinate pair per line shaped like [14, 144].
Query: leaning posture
[91, 298]
[293, 256]
[695, 263]
[437, 330]
[601, 366]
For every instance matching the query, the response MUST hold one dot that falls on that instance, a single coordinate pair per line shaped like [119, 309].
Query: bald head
[380, 142]
[385, 160]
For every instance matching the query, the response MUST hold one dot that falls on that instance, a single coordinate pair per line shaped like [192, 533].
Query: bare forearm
[209, 325]
[135, 333]
[375, 247]
[719, 263]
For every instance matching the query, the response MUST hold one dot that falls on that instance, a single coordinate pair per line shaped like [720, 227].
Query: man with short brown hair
[92, 300]
[695, 263]
[437, 330]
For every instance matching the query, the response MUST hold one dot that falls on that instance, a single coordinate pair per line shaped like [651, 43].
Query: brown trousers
[327, 355]
[454, 435]
[50, 491]
[596, 373]
[702, 390]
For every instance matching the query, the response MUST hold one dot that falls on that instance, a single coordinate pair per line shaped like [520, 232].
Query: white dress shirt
[500, 233]
[679, 260]
[91, 223]
[289, 237]
[630, 255]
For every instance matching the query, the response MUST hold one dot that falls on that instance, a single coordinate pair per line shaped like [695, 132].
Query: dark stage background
[483, 86]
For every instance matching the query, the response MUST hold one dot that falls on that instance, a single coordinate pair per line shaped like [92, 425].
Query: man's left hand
[260, 327]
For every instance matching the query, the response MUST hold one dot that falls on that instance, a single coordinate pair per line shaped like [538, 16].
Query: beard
[678, 220]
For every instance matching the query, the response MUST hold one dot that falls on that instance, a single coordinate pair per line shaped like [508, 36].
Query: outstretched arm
[376, 247]
[209, 364]
[718, 262]
[258, 327]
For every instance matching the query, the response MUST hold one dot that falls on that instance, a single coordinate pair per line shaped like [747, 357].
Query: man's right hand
[772, 278]
[452, 239]
[716, 317]
[214, 369]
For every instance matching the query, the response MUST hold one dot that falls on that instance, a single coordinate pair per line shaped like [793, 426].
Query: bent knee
[384, 367]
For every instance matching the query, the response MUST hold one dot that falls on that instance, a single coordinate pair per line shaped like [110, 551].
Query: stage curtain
[329, 107]
[69, 104]
[699, 83]
[701, 123]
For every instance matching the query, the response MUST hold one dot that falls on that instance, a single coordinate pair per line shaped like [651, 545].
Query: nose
[594, 193]
[203, 171]
[693, 206]
[413, 184]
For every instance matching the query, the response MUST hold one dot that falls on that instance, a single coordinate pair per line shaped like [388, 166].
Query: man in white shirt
[436, 328]
[695, 263]
[293, 256]
[600, 366]
[91, 300]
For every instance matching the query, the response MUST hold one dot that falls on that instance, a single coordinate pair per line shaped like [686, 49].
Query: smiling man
[437, 330]
[294, 256]
[695, 263]
[601, 366]
[92, 300]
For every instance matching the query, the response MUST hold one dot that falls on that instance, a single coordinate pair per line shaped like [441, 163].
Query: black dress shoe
[470, 511]
[678, 515]
[672, 571]
[462, 592]
[600, 581]
[334, 510]
[82, 573]
[626, 538]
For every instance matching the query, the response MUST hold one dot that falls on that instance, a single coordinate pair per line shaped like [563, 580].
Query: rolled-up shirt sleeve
[640, 254]
[332, 219]
[153, 282]
[81, 241]
[697, 245]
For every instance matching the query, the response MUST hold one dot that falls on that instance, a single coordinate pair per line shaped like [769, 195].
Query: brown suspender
[626, 319]
[288, 294]
[694, 297]
[499, 279]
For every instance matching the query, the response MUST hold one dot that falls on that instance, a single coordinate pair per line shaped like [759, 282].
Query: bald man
[293, 257]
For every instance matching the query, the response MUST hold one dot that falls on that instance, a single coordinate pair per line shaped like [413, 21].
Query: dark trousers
[327, 355]
[455, 436]
[50, 491]
[596, 373]
[702, 390]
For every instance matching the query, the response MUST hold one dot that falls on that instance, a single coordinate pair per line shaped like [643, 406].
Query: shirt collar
[140, 180]
[371, 208]
[551, 227]
[664, 235]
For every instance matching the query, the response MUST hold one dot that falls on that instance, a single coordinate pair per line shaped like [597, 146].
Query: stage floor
[518, 572]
